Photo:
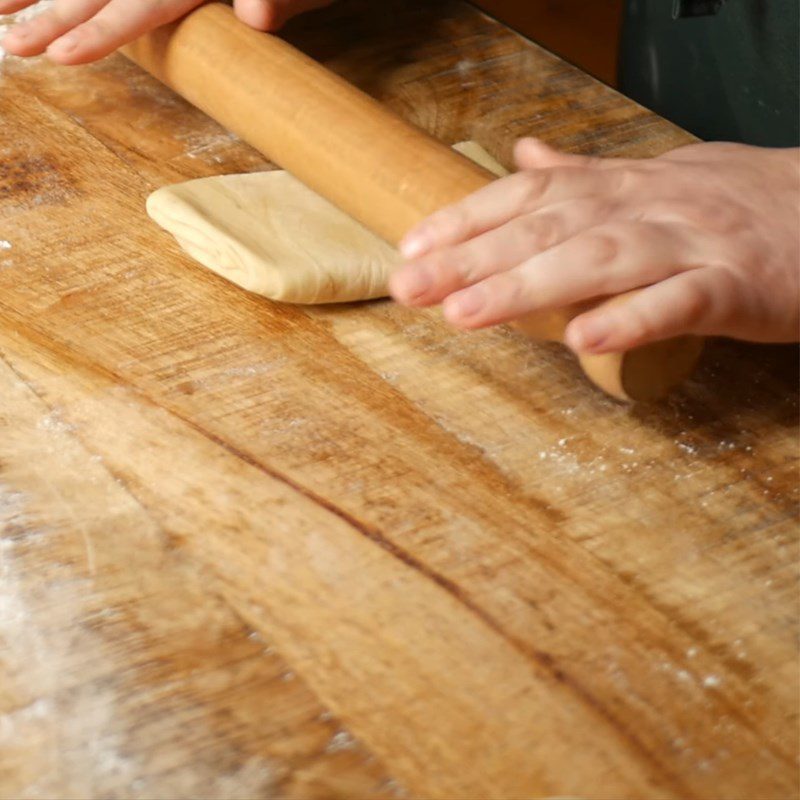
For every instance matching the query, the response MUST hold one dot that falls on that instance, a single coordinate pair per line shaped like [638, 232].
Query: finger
[531, 153]
[432, 277]
[114, 25]
[11, 6]
[269, 15]
[502, 200]
[605, 260]
[32, 37]
[702, 301]
[263, 15]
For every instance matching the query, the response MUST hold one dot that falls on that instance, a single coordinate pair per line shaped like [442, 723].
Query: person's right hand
[79, 31]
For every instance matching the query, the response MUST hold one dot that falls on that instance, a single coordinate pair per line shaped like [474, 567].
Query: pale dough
[270, 234]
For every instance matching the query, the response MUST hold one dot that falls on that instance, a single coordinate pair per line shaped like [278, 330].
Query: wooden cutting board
[258, 550]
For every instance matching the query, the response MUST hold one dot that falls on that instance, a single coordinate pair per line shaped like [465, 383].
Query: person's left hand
[711, 231]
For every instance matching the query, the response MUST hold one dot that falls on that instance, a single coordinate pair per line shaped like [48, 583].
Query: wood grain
[584, 32]
[122, 675]
[477, 577]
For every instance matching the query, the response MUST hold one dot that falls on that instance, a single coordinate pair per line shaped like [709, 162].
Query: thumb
[259, 14]
[530, 153]
[269, 15]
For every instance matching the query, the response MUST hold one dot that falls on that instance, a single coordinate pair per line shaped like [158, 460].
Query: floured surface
[86, 656]
[281, 525]
[270, 234]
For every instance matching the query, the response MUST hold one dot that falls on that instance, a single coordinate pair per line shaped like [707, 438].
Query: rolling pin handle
[642, 374]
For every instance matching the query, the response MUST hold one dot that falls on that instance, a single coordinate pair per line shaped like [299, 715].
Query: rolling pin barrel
[346, 146]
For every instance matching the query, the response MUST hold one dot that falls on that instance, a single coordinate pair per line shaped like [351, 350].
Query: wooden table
[253, 550]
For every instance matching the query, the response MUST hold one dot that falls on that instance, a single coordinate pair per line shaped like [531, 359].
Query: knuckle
[532, 185]
[639, 323]
[467, 266]
[435, 263]
[699, 214]
[718, 217]
[60, 10]
[512, 288]
[595, 209]
[94, 29]
[602, 249]
[731, 217]
[629, 180]
[747, 251]
[454, 264]
[450, 222]
[696, 302]
[550, 232]
[541, 231]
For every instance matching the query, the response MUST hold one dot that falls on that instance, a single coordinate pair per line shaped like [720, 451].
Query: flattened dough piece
[272, 235]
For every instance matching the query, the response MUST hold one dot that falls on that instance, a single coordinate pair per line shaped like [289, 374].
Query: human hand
[79, 31]
[709, 232]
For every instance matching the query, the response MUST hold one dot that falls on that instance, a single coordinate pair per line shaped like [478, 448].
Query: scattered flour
[52, 421]
[198, 144]
[393, 787]
[341, 740]
[689, 449]
[33, 658]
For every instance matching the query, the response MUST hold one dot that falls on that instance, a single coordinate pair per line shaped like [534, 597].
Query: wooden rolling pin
[353, 151]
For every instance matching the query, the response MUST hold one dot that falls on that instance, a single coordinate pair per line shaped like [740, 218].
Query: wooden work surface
[253, 550]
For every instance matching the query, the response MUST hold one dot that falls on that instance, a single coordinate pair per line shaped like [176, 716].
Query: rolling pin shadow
[346, 146]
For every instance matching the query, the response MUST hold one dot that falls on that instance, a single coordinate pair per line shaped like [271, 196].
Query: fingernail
[465, 304]
[414, 244]
[414, 282]
[589, 335]
[67, 43]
